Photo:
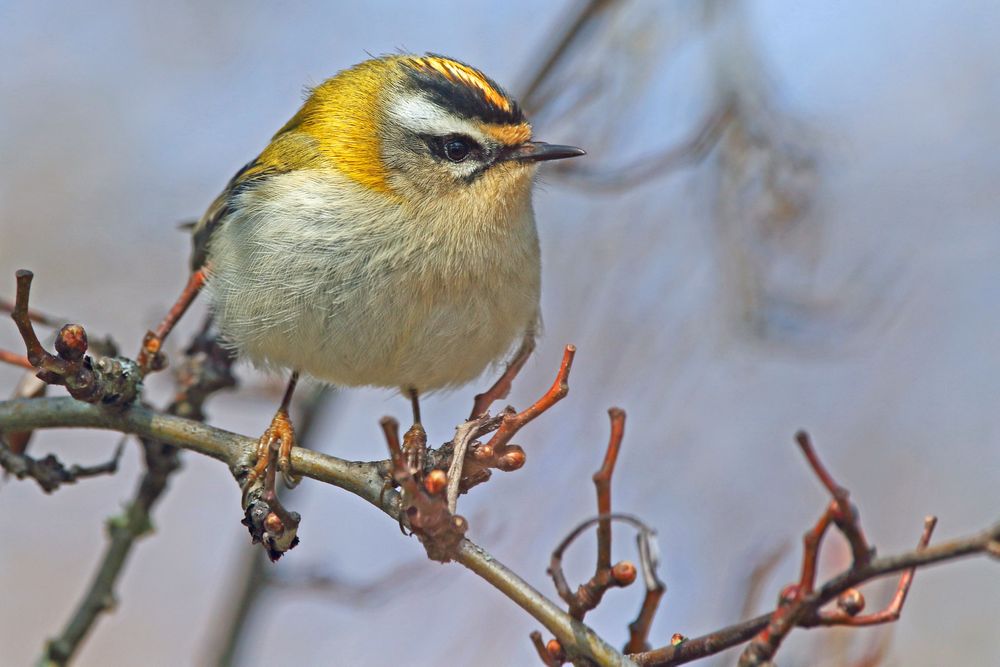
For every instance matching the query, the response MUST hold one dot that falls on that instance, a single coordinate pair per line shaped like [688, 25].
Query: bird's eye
[456, 150]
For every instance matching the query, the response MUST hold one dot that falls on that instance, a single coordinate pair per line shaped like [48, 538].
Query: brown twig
[107, 381]
[465, 472]
[502, 386]
[15, 359]
[514, 422]
[150, 357]
[602, 482]
[588, 595]
[793, 609]
[639, 628]
[841, 512]
[424, 506]
[33, 315]
[851, 605]
[606, 575]
[801, 603]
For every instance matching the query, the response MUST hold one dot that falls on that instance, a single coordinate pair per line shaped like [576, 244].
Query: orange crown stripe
[460, 73]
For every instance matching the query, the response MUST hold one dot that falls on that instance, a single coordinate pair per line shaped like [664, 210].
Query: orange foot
[280, 432]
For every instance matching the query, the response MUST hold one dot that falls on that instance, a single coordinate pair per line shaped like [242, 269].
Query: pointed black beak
[539, 151]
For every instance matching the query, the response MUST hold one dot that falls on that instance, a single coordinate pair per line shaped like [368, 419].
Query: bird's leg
[281, 426]
[414, 403]
[280, 432]
[415, 439]
[149, 357]
[501, 387]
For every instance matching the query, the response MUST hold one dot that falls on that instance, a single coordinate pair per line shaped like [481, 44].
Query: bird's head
[426, 130]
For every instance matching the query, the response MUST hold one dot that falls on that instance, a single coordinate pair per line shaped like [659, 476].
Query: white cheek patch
[418, 114]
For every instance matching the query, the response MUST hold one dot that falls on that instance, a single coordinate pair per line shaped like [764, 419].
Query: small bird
[384, 237]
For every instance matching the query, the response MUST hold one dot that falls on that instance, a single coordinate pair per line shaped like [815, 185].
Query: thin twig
[33, 315]
[14, 359]
[109, 381]
[589, 594]
[49, 472]
[514, 422]
[150, 356]
[502, 386]
[602, 481]
[841, 512]
[895, 607]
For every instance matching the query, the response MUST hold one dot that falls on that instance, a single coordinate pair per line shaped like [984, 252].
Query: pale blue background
[879, 332]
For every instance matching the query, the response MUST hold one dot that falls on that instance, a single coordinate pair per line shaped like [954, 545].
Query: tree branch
[364, 479]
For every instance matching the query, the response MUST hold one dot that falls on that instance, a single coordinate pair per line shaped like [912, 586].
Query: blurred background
[788, 219]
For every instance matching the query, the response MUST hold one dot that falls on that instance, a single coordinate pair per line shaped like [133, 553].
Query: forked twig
[502, 386]
[514, 422]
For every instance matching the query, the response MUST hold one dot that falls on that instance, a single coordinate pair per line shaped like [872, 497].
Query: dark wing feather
[252, 173]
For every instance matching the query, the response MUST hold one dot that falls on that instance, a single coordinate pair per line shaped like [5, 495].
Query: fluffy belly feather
[352, 301]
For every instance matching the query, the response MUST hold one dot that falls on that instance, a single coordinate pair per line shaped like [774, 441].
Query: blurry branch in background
[113, 383]
[421, 506]
[206, 369]
[569, 35]
[49, 472]
[598, 65]
[686, 153]
[253, 575]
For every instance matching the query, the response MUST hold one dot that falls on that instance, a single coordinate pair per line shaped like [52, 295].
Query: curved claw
[281, 430]
[290, 479]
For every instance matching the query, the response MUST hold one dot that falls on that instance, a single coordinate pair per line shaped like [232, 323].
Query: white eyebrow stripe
[420, 115]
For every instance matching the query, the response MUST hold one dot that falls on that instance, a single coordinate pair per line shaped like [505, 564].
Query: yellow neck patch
[341, 117]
